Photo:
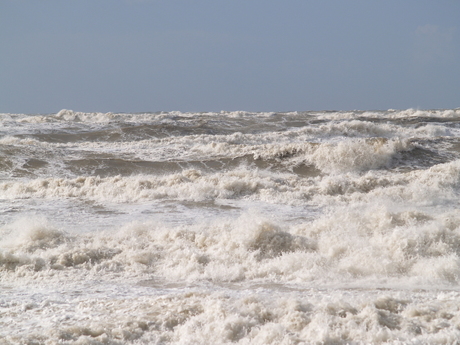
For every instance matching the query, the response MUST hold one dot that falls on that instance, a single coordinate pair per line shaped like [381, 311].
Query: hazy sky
[212, 55]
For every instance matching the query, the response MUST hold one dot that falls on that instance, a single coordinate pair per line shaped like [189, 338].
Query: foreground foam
[254, 316]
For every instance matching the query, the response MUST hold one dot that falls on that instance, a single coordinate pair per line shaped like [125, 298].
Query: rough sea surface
[230, 227]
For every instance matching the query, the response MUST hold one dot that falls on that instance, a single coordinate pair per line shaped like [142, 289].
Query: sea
[316, 227]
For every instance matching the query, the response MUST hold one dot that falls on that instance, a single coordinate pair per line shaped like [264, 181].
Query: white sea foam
[345, 244]
[438, 184]
[230, 227]
[279, 268]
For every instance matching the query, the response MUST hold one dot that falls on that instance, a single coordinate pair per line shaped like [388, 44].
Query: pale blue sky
[212, 55]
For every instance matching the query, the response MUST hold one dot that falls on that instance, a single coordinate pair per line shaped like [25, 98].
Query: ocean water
[230, 227]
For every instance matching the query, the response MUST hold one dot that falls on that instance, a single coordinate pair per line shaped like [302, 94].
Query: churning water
[231, 227]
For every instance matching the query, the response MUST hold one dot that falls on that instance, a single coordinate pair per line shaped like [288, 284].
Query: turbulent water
[230, 227]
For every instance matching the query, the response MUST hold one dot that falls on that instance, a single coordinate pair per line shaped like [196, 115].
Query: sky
[213, 55]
